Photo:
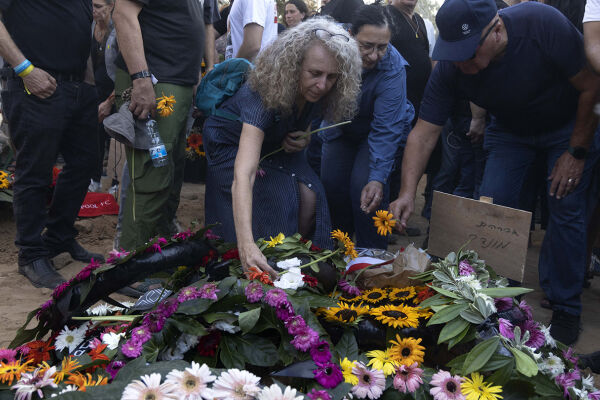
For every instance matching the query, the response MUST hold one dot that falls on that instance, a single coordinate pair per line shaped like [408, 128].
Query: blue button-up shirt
[383, 117]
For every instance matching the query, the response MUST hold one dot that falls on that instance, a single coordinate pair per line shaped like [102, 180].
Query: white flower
[192, 384]
[149, 387]
[234, 384]
[549, 339]
[552, 365]
[580, 393]
[170, 354]
[290, 280]
[471, 281]
[69, 339]
[289, 263]
[588, 382]
[226, 327]
[33, 382]
[68, 388]
[100, 309]
[186, 342]
[112, 339]
[274, 392]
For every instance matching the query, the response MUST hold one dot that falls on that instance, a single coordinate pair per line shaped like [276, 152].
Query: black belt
[9, 73]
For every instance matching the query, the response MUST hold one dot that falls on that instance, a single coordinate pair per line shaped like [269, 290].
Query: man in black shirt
[50, 110]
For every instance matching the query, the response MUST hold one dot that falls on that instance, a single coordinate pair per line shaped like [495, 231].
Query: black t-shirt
[221, 25]
[173, 34]
[528, 89]
[53, 34]
[414, 47]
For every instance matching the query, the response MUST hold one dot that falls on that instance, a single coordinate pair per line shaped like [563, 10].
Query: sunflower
[396, 316]
[346, 242]
[12, 371]
[384, 222]
[424, 312]
[3, 174]
[374, 296]
[275, 240]
[347, 366]
[382, 360]
[402, 294]
[67, 367]
[350, 252]
[344, 312]
[165, 105]
[340, 236]
[476, 389]
[4, 184]
[407, 351]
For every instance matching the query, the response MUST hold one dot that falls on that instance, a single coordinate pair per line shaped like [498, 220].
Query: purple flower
[328, 375]
[141, 334]
[254, 292]
[526, 309]
[347, 288]
[209, 291]
[113, 367]
[154, 321]
[594, 395]
[260, 173]
[320, 352]
[188, 293]
[114, 255]
[183, 235]
[131, 349]
[570, 355]
[211, 236]
[275, 297]
[506, 328]
[295, 325]
[61, 288]
[305, 339]
[464, 268]
[567, 380]
[167, 307]
[43, 308]
[503, 303]
[87, 270]
[156, 246]
[284, 312]
[318, 395]
[536, 336]
[8, 356]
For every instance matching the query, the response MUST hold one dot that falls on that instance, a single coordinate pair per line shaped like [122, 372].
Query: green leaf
[503, 374]
[189, 326]
[457, 363]
[194, 307]
[525, 364]
[340, 391]
[229, 353]
[480, 354]
[435, 300]
[257, 350]
[220, 316]
[447, 314]
[458, 338]
[247, 320]
[505, 292]
[452, 329]
[25, 335]
[497, 361]
[347, 346]
[131, 370]
[546, 387]
[287, 352]
[315, 300]
[472, 316]
[446, 293]
[6, 196]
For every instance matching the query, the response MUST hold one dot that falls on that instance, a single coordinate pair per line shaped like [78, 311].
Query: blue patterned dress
[276, 196]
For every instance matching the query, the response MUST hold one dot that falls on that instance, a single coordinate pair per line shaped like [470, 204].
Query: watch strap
[140, 75]
[578, 152]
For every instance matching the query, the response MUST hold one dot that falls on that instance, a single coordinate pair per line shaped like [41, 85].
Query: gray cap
[124, 128]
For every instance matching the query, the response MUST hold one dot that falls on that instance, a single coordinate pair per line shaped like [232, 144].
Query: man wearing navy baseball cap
[526, 66]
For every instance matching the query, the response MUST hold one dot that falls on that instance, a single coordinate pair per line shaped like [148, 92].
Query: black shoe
[591, 361]
[41, 273]
[565, 327]
[75, 250]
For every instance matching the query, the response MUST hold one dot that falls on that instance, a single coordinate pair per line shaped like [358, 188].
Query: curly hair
[276, 76]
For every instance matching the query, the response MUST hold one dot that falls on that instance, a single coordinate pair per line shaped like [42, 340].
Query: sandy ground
[96, 234]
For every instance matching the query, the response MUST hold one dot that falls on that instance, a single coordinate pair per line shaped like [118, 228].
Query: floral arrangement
[195, 146]
[216, 333]
[6, 181]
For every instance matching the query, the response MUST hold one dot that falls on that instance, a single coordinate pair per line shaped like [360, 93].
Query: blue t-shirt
[527, 91]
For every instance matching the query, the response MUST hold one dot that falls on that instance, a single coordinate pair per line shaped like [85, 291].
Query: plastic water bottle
[158, 152]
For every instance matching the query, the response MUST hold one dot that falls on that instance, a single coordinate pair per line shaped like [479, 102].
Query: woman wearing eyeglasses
[308, 72]
[357, 159]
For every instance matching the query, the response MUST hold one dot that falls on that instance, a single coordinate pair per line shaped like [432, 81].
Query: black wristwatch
[577, 152]
[140, 75]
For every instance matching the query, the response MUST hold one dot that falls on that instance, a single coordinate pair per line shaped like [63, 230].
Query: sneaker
[565, 327]
[95, 186]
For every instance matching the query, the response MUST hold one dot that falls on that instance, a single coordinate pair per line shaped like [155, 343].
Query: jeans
[344, 173]
[40, 129]
[563, 253]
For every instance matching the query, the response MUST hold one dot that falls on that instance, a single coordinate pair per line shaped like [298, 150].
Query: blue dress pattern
[276, 196]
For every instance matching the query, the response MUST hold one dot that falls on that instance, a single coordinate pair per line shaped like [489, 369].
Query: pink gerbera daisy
[371, 382]
[148, 387]
[445, 386]
[234, 384]
[408, 378]
[8, 356]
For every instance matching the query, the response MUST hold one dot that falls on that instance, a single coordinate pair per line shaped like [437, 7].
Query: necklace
[410, 22]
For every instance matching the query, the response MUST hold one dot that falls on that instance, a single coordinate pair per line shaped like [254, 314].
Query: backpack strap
[227, 115]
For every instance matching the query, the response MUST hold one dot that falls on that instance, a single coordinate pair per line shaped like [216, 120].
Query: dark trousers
[40, 129]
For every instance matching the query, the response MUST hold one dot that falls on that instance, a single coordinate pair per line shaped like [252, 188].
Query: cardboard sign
[500, 235]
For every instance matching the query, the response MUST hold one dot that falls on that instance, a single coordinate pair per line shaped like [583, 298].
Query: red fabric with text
[96, 204]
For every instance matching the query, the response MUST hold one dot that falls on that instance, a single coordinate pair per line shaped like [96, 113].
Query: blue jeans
[562, 256]
[344, 173]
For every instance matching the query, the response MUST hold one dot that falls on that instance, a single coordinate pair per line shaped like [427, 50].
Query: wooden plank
[500, 235]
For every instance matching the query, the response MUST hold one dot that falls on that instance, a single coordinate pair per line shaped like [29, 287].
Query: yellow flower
[275, 240]
[349, 377]
[382, 360]
[401, 294]
[344, 312]
[407, 351]
[396, 316]
[350, 252]
[4, 184]
[375, 295]
[476, 389]
[12, 371]
[384, 221]
[165, 105]
[67, 367]
[345, 241]
[340, 236]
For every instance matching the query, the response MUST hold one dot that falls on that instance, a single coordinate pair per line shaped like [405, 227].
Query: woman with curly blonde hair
[310, 72]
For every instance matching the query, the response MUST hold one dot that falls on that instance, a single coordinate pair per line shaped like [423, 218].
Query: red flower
[96, 353]
[310, 280]
[232, 254]
[255, 273]
[314, 248]
[55, 173]
[39, 351]
[211, 256]
[425, 294]
[207, 346]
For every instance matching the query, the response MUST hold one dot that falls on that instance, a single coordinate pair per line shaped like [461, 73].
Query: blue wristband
[22, 67]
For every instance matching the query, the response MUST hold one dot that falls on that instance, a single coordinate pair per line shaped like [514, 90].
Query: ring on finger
[570, 180]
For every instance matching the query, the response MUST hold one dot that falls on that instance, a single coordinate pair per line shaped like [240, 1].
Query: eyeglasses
[368, 48]
[324, 34]
[487, 33]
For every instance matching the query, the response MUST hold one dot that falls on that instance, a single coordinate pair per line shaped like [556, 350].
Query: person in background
[358, 158]
[296, 11]
[308, 72]
[341, 10]
[50, 110]
[253, 26]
